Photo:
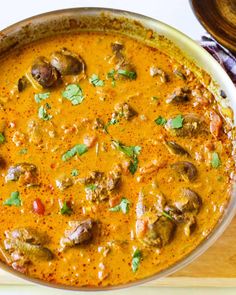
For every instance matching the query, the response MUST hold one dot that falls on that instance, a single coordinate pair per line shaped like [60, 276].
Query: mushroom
[44, 73]
[186, 169]
[67, 63]
[175, 148]
[192, 126]
[189, 201]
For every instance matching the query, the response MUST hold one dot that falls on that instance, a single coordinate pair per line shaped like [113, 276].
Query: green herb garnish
[14, 200]
[23, 151]
[130, 151]
[41, 96]
[113, 121]
[136, 259]
[129, 74]
[78, 149]
[74, 94]
[123, 206]
[96, 81]
[167, 215]
[215, 160]
[177, 122]
[111, 75]
[91, 187]
[2, 138]
[42, 112]
[66, 209]
[160, 121]
[74, 172]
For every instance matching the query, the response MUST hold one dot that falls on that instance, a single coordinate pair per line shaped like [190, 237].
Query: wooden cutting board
[215, 268]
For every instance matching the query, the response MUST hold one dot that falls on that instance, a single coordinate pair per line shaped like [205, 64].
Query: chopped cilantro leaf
[111, 75]
[42, 112]
[96, 81]
[66, 209]
[74, 94]
[160, 121]
[133, 166]
[23, 151]
[123, 206]
[41, 96]
[215, 160]
[130, 74]
[167, 215]
[14, 200]
[130, 151]
[136, 259]
[79, 149]
[74, 172]
[91, 187]
[177, 122]
[2, 138]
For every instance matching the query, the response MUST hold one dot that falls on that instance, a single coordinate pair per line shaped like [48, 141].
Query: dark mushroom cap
[44, 73]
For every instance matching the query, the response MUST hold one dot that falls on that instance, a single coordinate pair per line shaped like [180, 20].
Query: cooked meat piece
[192, 126]
[180, 95]
[152, 228]
[99, 186]
[189, 201]
[113, 178]
[44, 73]
[125, 110]
[64, 182]
[79, 233]
[175, 148]
[159, 233]
[186, 169]
[26, 173]
[155, 71]
[25, 245]
[67, 62]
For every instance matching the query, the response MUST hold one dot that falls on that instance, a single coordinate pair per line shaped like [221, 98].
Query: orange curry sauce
[115, 162]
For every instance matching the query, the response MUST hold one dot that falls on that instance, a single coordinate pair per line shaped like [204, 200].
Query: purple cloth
[226, 58]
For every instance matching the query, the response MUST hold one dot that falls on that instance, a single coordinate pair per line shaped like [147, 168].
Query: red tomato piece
[38, 207]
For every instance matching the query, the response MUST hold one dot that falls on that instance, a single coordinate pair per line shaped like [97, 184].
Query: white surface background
[174, 12]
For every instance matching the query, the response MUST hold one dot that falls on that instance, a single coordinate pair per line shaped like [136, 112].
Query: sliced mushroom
[175, 148]
[79, 233]
[44, 73]
[22, 83]
[189, 201]
[67, 62]
[186, 169]
[25, 172]
[192, 126]
[180, 95]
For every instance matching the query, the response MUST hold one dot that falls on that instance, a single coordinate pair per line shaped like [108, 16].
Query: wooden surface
[215, 268]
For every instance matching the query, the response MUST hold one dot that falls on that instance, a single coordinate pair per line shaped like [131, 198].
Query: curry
[115, 160]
